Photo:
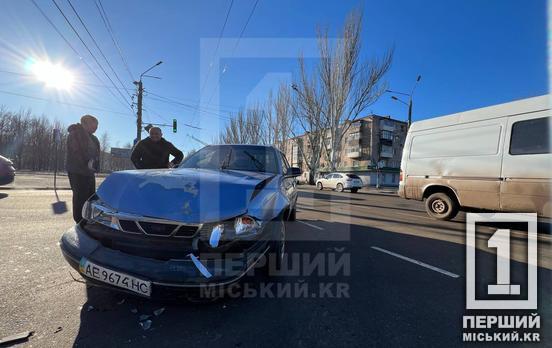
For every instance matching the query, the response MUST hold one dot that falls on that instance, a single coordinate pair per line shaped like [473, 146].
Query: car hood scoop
[182, 194]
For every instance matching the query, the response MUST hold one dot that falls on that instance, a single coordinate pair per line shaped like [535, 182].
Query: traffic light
[174, 125]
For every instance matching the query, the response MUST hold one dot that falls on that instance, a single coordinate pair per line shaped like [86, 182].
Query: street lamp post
[409, 95]
[140, 93]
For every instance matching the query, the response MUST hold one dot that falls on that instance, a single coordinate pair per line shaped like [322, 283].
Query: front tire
[319, 186]
[339, 187]
[441, 206]
[355, 190]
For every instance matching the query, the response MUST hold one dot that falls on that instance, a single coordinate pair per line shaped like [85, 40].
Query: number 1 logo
[500, 240]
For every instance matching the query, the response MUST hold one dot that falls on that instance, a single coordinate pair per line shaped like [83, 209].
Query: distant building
[371, 145]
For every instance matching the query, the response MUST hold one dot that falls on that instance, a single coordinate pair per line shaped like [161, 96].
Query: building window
[530, 137]
[387, 135]
[356, 163]
[354, 136]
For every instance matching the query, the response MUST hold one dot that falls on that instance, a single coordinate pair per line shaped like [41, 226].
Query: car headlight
[97, 211]
[242, 227]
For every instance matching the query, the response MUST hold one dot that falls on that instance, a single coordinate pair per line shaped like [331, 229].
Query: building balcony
[354, 153]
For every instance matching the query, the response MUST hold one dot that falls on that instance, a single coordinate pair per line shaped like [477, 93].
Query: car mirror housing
[293, 172]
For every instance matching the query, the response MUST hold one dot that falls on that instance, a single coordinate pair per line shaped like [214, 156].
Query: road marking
[419, 263]
[311, 225]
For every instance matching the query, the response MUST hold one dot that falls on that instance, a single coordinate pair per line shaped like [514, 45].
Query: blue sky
[470, 54]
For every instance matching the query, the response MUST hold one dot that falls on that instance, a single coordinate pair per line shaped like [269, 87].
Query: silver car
[340, 182]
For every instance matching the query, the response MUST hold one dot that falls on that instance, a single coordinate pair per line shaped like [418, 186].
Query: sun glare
[52, 75]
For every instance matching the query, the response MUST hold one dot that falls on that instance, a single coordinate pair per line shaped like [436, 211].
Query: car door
[527, 165]
[335, 180]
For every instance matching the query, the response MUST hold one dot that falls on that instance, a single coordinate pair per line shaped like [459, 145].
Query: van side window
[530, 137]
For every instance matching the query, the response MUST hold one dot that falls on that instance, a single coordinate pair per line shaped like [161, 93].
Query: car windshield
[239, 157]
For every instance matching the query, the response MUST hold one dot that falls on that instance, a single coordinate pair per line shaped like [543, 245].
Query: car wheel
[339, 187]
[441, 206]
[275, 256]
[355, 190]
[319, 186]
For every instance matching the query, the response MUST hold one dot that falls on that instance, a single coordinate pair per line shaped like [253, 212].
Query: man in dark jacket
[83, 160]
[153, 152]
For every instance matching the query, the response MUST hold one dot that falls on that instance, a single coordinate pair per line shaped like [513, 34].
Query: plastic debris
[121, 302]
[90, 308]
[17, 337]
[144, 317]
[134, 310]
[159, 311]
[215, 235]
[200, 267]
[145, 325]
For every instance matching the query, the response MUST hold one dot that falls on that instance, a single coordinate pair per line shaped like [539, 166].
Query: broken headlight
[242, 227]
[97, 211]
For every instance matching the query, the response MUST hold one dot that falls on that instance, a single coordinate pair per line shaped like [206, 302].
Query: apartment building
[371, 148]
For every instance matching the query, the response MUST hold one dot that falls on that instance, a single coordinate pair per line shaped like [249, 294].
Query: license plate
[121, 280]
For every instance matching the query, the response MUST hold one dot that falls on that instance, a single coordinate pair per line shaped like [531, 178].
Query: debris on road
[134, 310]
[121, 302]
[89, 308]
[17, 337]
[145, 325]
[159, 311]
[144, 317]
[58, 329]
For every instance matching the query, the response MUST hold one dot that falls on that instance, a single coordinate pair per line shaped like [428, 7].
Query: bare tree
[307, 108]
[105, 155]
[245, 128]
[282, 125]
[349, 84]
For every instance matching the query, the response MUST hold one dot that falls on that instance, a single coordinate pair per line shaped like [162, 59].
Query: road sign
[119, 152]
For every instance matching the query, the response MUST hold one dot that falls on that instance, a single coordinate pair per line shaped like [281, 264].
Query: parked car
[340, 182]
[205, 223]
[7, 171]
[495, 158]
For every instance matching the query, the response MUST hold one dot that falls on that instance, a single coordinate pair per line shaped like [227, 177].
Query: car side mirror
[293, 172]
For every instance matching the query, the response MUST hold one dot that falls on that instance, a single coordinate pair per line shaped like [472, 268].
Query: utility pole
[409, 95]
[139, 112]
[140, 93]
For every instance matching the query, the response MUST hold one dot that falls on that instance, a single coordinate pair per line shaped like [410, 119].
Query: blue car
[204, 223]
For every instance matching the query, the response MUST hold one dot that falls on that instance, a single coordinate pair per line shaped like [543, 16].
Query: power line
[215, 54]
[176, 102]
[65, 103]
[238, 41]
[107, 24]
[88, 49]
[79, 82]
[97, 46]
[193, 108]
[73, 49]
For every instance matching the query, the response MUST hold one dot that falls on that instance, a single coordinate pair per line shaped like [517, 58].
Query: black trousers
[83, 186]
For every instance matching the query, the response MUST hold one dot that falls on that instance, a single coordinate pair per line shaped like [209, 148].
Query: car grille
[159, 229]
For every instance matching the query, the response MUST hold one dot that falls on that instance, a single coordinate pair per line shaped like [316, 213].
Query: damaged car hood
[183, 194]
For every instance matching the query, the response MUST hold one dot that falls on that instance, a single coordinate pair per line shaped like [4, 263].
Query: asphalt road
[400, 280]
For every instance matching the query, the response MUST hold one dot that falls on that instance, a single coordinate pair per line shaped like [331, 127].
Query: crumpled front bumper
[171, 275]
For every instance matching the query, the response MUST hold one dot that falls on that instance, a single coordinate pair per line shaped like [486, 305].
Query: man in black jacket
[153, 152]
[83, 160]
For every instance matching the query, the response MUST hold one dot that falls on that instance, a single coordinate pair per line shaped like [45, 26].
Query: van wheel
[440, 206]
[339, 188]
[354, 190]
[319, 186]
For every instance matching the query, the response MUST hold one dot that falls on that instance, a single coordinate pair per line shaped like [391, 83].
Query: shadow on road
[385, 299]
[3, 195]
[326, 196]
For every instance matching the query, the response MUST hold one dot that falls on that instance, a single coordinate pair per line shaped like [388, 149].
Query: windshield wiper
[226, 162]
[258, 164]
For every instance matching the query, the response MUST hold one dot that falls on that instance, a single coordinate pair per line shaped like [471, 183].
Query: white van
[494, 158]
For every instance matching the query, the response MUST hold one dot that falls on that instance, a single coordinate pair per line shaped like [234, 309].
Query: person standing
[83, 161]
[153, 152]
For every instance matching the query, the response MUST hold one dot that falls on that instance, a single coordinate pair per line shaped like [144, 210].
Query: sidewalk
[42, 181]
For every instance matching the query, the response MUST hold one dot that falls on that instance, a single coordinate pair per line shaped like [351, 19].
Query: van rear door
[527, 164]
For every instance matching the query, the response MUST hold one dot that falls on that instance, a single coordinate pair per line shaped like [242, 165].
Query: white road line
[311, 225]
[419, 263]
